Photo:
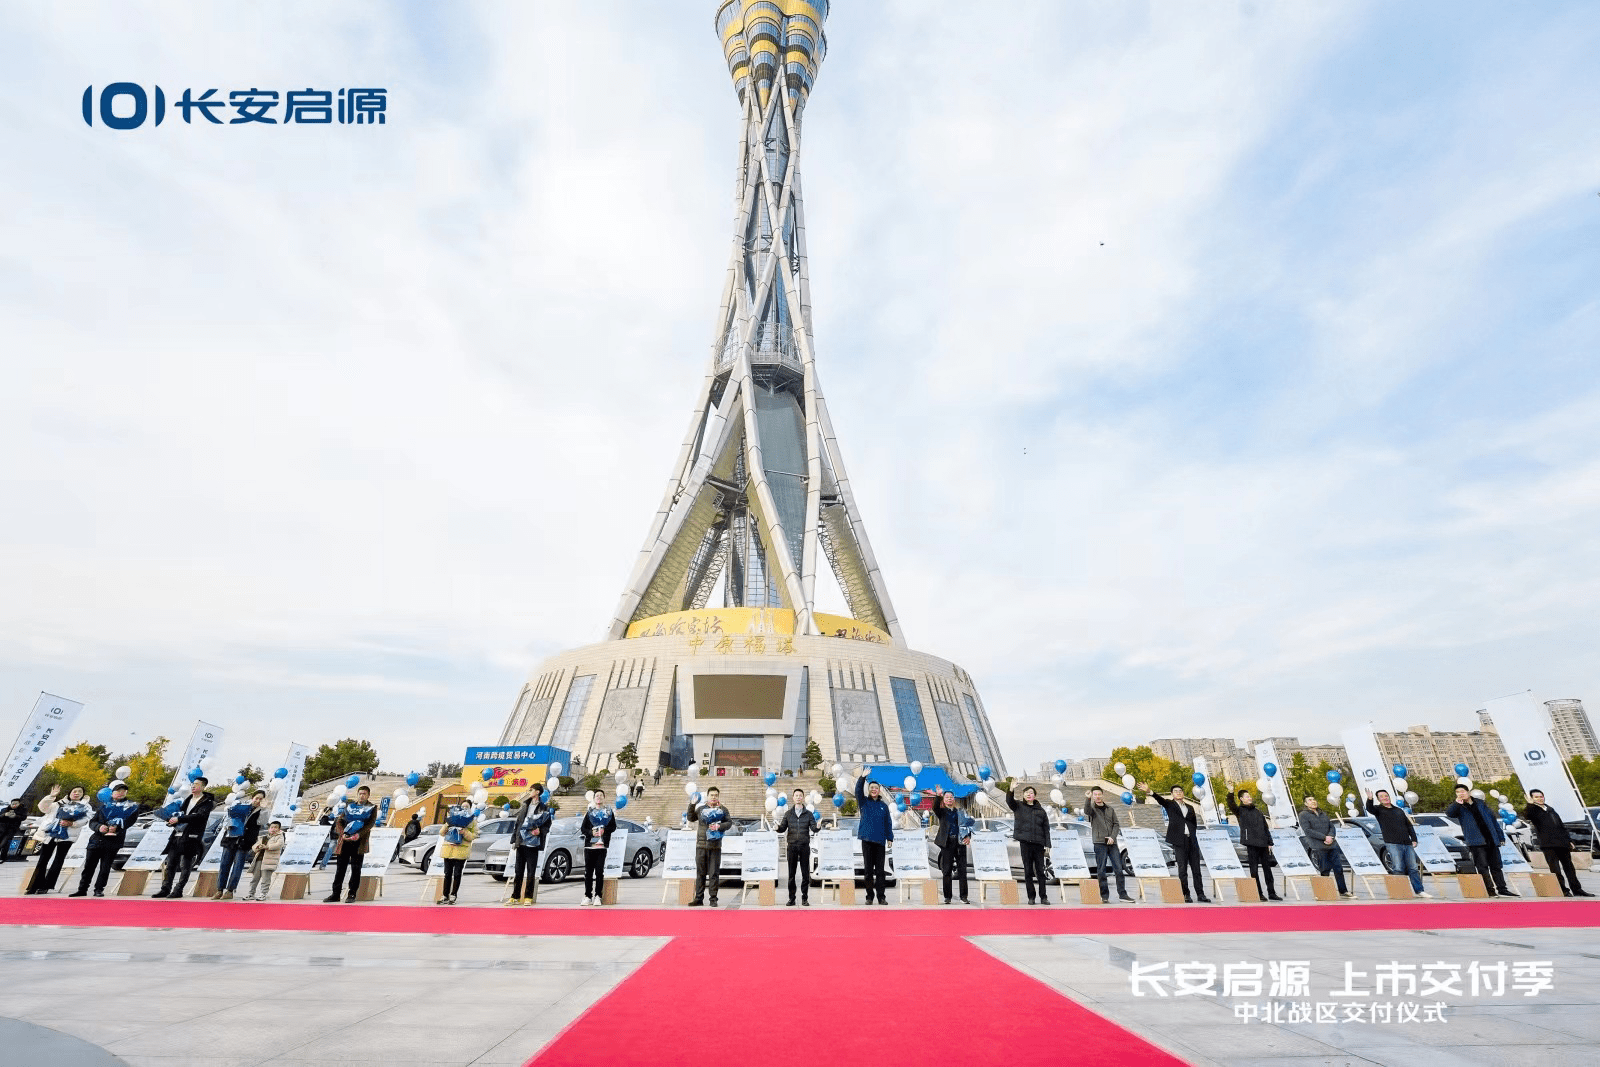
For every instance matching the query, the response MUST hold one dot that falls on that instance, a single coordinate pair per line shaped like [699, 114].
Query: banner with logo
[42, 738]
[1281, 808]
[1366, 762]
[289, 791]
[203, 744]
[1525, 729]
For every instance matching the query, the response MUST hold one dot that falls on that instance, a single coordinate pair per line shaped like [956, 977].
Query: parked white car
[565, 847]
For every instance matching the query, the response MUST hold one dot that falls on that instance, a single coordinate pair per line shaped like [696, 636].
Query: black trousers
[1486, 858]
[348, 862]
[452, 876]
[179, 866]
[707, 871]
[51, 855]
[872, 856]
[5, 844]
[97, 861]
[527, 865]
[800, 858]
[1033, 867]
[594, 872]
[1260, 858]
[1187, 852]
[953, 862]
[1559, 859]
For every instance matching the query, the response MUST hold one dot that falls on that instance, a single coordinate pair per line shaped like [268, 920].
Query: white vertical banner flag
[42, 738]
[1524, 727]
[1208, 800]
[1361, 745]
[289, 791]
[1282, 806]
[203, 744]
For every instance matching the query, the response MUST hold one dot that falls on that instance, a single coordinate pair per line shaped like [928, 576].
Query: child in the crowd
[264, 856]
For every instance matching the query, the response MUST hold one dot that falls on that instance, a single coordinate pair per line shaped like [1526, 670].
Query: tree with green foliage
[629, 756]
[1149, 770]
[252, 775]
[81, 766]
[1303, 780]
[346, 757]
[441, 769]
[813, 757]
[1586, 773]
[147, 782]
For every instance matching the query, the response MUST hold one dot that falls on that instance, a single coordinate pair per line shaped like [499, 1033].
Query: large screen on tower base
[739, 696]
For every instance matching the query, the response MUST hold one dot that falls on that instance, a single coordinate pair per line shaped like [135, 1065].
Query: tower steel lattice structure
[759, 490]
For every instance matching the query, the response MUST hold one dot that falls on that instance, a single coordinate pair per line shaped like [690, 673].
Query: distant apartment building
[1571, 730]
[1428, 753]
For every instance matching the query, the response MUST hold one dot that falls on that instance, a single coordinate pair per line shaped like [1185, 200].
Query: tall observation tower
[758, 493]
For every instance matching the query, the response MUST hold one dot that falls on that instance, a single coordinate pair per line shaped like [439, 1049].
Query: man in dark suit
[1180, 835]
[188, 837]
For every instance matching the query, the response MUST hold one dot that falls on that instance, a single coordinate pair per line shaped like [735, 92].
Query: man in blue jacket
[1481, 833]
[876, 830]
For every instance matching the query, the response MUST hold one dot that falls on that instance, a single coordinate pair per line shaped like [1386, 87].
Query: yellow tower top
[763, 37]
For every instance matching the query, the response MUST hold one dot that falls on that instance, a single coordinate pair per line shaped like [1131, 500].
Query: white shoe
[586, 902]
[1427, 896]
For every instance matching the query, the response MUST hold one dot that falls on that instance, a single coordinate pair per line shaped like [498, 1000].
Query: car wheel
[642, 861]
[558, 866]
[427, 861]
[497, 877]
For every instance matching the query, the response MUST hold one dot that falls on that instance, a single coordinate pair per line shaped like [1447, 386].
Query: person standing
[527, 840]
[63, 819]
[244, 826]
[1481, 833]
[412, 831]
[1256, 837]
[596, 828]
[1181, 824]
[711, 822]
[188, 837]
[797, 825]
[331, 842]
[352, 829]
[455, 845]
[955, 830]
[1554, 842]
[875, 829]
[11, 817]
[109, 828]
[1031, 828]
[1105, 828]
[1316, 829]
[1400, 839]
[264, 861]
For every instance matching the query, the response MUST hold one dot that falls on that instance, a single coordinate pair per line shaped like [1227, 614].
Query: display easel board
[1089, 892]
[27, 877]
[847, 892]
[1545, 885]
[685, 890]
[1006, 890]
[1398, 887]
[1322, 887]
[767, 894]
[1246, 890]
[370, 888]
[1171, 890]
[930, 891]
[433, 889]
[1472, 887]
[133, 883]
[294, 887]
[608, 892]
[205, 884]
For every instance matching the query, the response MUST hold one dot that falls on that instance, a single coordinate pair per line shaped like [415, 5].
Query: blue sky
[1220, 369]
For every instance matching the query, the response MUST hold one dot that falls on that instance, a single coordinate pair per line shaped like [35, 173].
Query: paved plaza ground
[151, 983]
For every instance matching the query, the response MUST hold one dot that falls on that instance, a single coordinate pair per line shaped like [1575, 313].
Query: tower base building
[758, 497]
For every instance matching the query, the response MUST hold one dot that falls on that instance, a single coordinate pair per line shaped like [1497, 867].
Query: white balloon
[124, 773]
[1056, 779]
[588, 796]
[1196, 790]
[1478, 793]
[771, 792]
[1495, 793]
[1464, 780]
[338, 791]
[916, 766]
[1335, 790]
[1411, 798]
[1056, 798]
[622, 777]
[910, 782]
[838, 769]
[689, 789]
[1121, 768]
[1261, 786]
[1127, 781]
[772, 803]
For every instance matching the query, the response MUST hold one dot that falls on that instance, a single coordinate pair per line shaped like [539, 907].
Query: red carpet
[883, 1001]
[775, 922]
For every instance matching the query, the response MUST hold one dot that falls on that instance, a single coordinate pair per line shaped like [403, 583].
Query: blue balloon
[544, 798]
[983, 772]
[1334, 776]
[294, 807]
[1061, 766]
[281, 772]
[697, 798]
[172, 790]
[622, 801]
[782, 801]
[240, 779]
[1508, 817]
[192, 775]
[1127, 798]
[104, 794]
[1461, 770]
[838, 800]
[1270, 768]
[488, 773]
[1199, 779]
[1399, 770]
[771, 778]
[413, 778]
[352, 781]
